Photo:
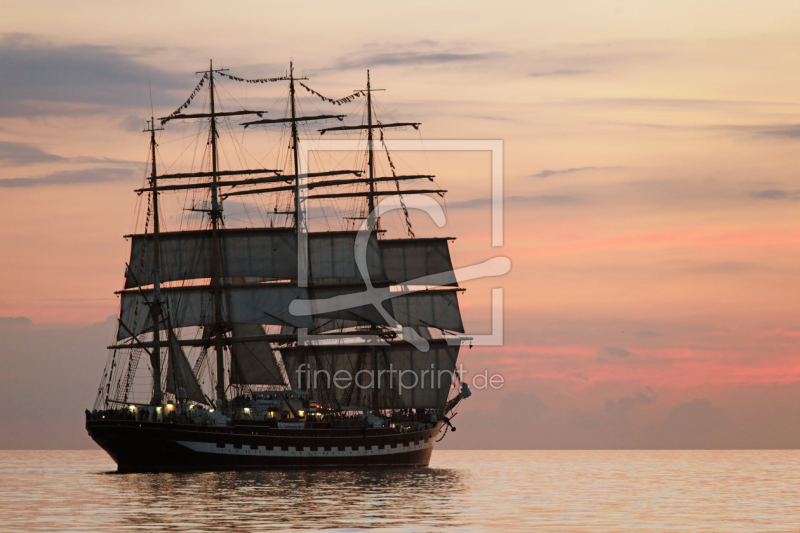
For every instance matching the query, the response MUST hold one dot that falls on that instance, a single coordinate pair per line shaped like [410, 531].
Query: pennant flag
[187, 103]
[340, 101]
[261, 80]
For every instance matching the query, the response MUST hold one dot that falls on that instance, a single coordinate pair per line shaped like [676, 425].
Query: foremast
[219, 327]
[155, 309]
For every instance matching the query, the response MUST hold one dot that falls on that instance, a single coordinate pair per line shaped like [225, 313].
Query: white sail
[433, 308]
[427, 377]
[408, 259]
[265, 303]
[264, 253]
[253, 363]
[180, 374]
[431, 372]
[194, 306]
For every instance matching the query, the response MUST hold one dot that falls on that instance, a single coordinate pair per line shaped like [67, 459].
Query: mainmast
[298, 214]
[216, 274]
[292, 99]
[155, 311]
[294, 149]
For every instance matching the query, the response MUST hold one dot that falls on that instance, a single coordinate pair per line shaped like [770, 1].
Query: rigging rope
[397, 184]
[141, 262]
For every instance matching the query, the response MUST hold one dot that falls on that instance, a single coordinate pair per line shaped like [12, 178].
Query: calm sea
[461, 491]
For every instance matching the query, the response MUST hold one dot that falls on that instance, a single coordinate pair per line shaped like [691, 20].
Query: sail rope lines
[134, 356]
[397, 184]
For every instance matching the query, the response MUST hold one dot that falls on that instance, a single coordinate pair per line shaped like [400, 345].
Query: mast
[216, 275]
[292, 98]
[297, 213]
[372, 221]
[294, 148]
[298, 216]
[371, 197]
[155, 355]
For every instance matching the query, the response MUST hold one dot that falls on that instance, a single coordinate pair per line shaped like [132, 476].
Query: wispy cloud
[558, 73]
[791, 131]
[716, 268]
[775, 194]
[15, 154]
[37, 78]
[673, 103]
[544, 199]
[415, 59]
[21, 154]
[613, 353]
[72, 177]
[617, 352]
[548, 173]
[569, 60]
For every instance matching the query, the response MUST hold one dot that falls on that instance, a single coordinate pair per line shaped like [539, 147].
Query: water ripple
[462, 491]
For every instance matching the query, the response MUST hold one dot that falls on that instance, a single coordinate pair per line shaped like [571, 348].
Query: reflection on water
[254, 501]
[70, 491]
[725, 491]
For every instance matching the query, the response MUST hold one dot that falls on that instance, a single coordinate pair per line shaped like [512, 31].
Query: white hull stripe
[276, 451]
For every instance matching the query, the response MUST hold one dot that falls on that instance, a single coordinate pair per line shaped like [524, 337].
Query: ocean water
[465, 491]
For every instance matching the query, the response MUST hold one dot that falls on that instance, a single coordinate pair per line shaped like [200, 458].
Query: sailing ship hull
[156, 447]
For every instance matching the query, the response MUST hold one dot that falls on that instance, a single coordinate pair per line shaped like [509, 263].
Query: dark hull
[155, 447]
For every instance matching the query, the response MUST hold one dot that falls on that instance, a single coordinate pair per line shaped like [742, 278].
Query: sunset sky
[652, 198]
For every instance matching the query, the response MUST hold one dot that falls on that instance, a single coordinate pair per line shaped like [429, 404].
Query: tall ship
[247, 337]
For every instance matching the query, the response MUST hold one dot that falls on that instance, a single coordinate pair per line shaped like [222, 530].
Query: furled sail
[409, 259]
[180, 374]
[265, 253]
[427, 377]
[253, 363]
